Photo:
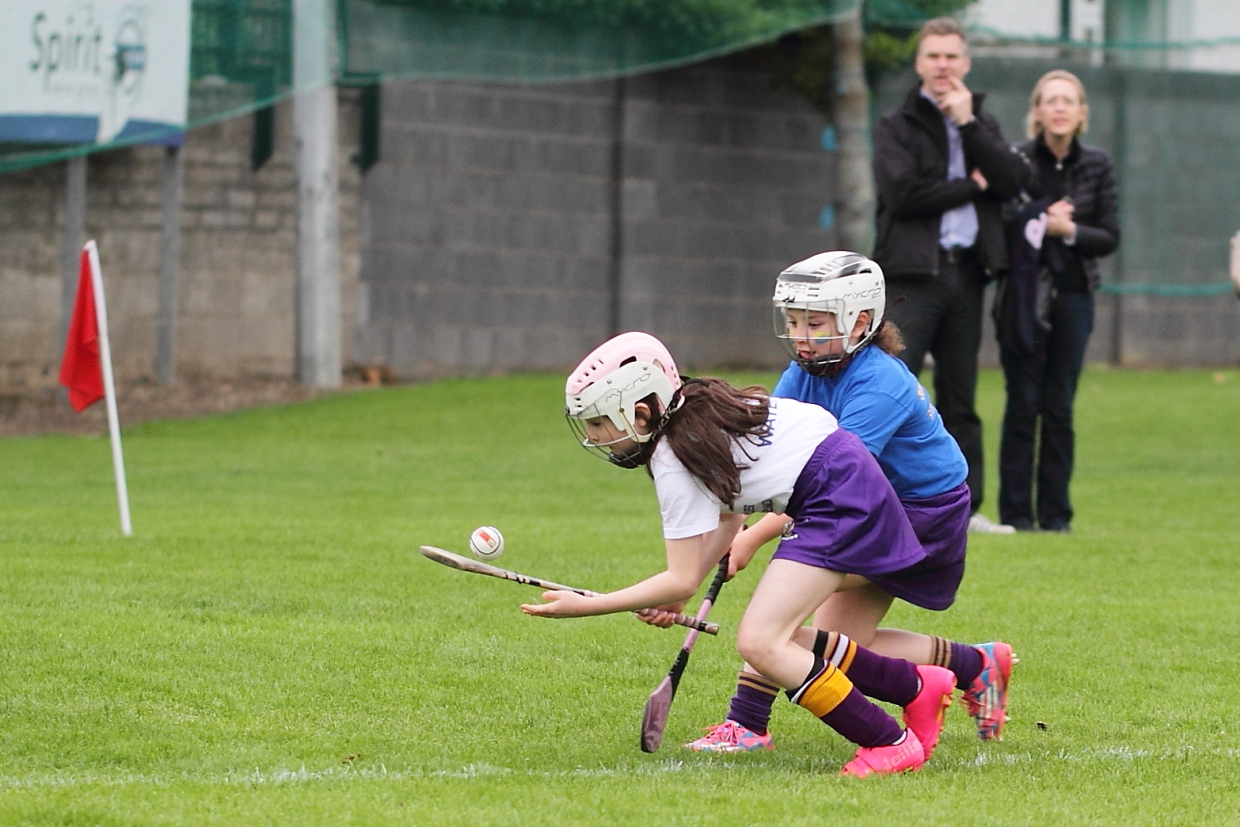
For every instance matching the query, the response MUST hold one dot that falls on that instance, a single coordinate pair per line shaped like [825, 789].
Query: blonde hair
[1032, 125]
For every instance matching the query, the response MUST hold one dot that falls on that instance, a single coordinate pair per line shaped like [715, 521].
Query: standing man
[942, 168]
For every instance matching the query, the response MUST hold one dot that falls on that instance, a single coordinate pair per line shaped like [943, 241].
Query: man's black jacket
[910, 173]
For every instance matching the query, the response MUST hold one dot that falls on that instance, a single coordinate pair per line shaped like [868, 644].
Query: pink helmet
[616, 376]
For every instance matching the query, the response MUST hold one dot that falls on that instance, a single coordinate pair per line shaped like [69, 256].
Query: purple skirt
[847, 518]
[941, 523]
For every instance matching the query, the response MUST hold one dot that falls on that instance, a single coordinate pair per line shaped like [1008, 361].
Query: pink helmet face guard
[610, 382]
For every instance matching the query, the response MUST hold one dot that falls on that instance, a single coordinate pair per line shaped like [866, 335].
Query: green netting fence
[241, 52]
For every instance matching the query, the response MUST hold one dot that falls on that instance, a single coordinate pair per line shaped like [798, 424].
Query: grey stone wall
[30, 206]
[512, 227]
[235, 315]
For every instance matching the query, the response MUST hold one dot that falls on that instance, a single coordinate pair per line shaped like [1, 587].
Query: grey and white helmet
[837, 282]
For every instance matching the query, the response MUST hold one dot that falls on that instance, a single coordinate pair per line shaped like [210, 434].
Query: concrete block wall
[235, 311]
[30, 214]
[726, 180]
[486, 226]
[508, 227]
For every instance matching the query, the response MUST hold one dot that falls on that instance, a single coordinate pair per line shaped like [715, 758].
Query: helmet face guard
[837, 283]
[632, 455]
[609, 383]
[799, 326]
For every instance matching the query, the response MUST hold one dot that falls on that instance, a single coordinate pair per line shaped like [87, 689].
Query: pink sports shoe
[924, 714]
[731, 737]
[902, 757]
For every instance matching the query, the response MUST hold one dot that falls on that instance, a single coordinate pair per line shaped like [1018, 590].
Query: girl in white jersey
[717, 454]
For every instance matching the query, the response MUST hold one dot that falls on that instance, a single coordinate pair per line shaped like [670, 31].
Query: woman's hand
[1059, 221]
[562, 604]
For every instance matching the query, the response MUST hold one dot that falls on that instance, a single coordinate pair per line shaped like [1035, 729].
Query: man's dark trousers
[942, 315]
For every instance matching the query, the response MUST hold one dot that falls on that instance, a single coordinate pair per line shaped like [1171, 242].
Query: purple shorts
[846, 517]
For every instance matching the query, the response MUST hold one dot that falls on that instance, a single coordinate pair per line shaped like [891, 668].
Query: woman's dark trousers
[1037, 420]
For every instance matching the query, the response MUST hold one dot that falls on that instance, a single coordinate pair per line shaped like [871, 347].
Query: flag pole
[109, 387]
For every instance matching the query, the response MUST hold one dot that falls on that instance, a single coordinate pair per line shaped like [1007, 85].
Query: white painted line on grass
[671, 766]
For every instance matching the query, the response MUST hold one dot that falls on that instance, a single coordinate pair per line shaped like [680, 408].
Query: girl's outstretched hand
[560, 604]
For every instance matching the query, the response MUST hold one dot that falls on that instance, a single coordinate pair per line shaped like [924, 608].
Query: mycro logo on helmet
[618, 395]
[818, 295]
[868, 293]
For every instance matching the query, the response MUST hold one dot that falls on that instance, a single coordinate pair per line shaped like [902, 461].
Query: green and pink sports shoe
[986, 697]
[731, 737]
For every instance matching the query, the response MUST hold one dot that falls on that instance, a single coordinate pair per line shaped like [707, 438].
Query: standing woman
[1081, 223]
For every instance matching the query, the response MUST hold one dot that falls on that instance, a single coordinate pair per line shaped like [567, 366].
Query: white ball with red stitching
[486, 542]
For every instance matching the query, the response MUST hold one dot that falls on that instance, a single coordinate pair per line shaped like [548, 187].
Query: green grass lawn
[269, 647]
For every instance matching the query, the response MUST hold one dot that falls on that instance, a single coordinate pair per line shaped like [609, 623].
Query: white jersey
[775, 462]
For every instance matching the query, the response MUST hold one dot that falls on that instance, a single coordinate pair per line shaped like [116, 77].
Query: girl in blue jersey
[829, 311]
[718, 453]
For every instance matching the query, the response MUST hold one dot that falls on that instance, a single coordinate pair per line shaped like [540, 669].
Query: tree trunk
[855, 221]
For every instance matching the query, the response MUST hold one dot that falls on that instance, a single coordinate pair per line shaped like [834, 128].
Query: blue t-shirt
[877, 398]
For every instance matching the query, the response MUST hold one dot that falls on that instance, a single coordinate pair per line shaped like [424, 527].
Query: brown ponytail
[701, 432]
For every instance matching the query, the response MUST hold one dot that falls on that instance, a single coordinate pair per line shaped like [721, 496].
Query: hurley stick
[659, 704]
[457, 561]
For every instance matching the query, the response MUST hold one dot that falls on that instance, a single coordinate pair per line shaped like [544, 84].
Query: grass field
[269, 648]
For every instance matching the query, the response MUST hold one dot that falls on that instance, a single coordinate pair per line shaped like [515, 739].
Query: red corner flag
[80, 370]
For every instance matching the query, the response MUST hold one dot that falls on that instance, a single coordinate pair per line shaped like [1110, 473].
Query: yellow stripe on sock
[826, 692]
[758, 682]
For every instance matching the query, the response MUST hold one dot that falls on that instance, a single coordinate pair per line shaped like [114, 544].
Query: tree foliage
[804, 60]
[891, 30]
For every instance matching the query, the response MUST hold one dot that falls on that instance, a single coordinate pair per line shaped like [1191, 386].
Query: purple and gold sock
[885, 679]
[963, 660]
[830, 695]
[751, 705]
[864, 723]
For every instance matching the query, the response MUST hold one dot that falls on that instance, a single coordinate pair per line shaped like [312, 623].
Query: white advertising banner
[83, 71]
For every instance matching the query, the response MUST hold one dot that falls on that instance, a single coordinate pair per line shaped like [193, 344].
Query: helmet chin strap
[635, 457]
[815, 368]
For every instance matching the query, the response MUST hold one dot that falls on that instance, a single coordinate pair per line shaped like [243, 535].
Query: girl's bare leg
[858, 612]
[787, 594]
